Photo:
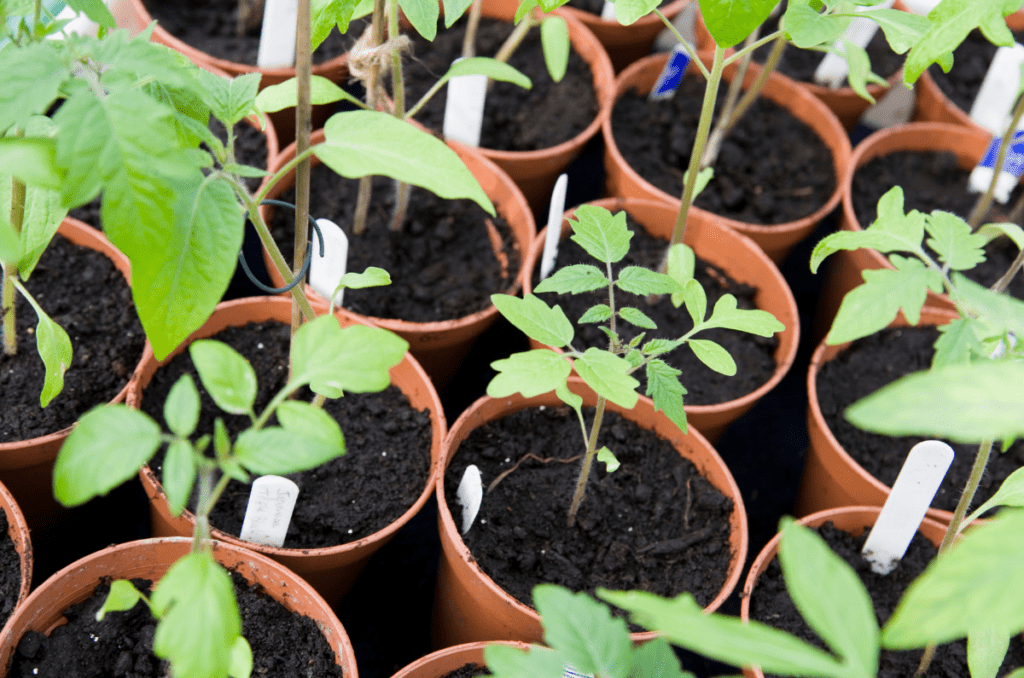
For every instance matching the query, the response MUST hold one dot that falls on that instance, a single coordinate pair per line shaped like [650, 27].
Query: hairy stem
[398, 94]
[984, 202]
[588, 460]
[11, 270]
[1004, 282]
[303, 129]
[731, 98]
[208, 496]
[469, 42]
[372, 90]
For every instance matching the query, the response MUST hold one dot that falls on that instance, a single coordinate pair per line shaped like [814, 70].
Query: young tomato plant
[199, 627]
[606, 238]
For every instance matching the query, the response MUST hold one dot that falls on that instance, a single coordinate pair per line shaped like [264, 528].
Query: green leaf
[181, 409]
[1011, 231]
[33, 76]
[640, 280]
[230, 99]
[859, 69]
[628, 11]
[608, 375]
[362, 143]
[511, 662]
[241, 659]
[285, 95]
[681, 262]
[1010, 493]
[754, 321]
[704, 177]
[222, 451]
[953, 241]
[325, 14]
[245, 170]
[530, 373]
[637, 317]
[986, 649]
[583, 631]
[635, 358]
[96, 10]
[525, 7]
[574, 280]
[10, 245]
[40, 221]
[596, 314]
[492, 68]
[806, 27]
[227, 376]
[179, 474]
[731, 21]
[108, 446]
[964, 403]
[666, 391]
[554, 38]
[902, 30]
[655, 659]
[199, 618]
[274, 450]
[305, 419]
[371, 277]
[604, 236]
[1001, 312]
[611, 463]
[696, 300]
[30, 159]
[872, 306]
[453, 9]
[949, 24]
[127, 61]
[122, 596]
[977, 584]
[714, 356]
[845, 619]
[727, 639]
[422, 14]
[956, 343]
[54, 348]
[357, 359]
[659, 346]
[536, 319]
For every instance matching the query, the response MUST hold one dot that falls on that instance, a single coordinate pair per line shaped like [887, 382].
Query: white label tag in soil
[277, 38]
[271, 501]
[608, 11]
[78, 24]
[908, 501]
[1013, 168]
[555, 210]
[671, 75]
[921, 7]
[999, 89]
[833, 69]
[464, 108]
[895, 107]
[325, 272]
[470, 494]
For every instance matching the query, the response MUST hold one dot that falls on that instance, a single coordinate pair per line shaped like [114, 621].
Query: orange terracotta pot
[851, 519]
[738, 256]
[776, 240]
[470, 606]
[831, 477]
[150, 559]
[17, 530]
[438, 346]
[27, 466]
[443, 662]
[332, 570]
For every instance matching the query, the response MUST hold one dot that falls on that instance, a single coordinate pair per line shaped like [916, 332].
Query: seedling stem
[588, 460]
[985, 200]
[372, 91]
[303, 129]
[10, 272]
[731, 97]
[472, 24]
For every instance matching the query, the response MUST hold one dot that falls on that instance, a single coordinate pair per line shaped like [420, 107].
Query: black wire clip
[305, 265]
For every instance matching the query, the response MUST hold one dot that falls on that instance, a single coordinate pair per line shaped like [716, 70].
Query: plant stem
[208, 496]
[703, 127]
[1017, 212]
[731, 97]
[1004, 282]
[366, 183]
[755, 90]
[11, 271]
[686, 45]
[511, 44]
[303, 129]
[469, 42]
[402, 189]
[984, 202]
[588, 460]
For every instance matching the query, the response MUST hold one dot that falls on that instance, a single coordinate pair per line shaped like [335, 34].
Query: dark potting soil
[10, 572]
[211, 27]
[970, 64]
[381, 475]
[83, 292]
[771, 604]
[800, 64]
[596, 6]
[654, 524]
[933, 180]
[283, 643]
[443, 264]
[515, 119]
[868, 365]
[754, 355]
[772, 168]
[468, 671]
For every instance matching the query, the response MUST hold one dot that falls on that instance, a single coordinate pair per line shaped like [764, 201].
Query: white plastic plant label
[921, 7]
[271, 502]
[470, 494]
[1013, 168]
[554, 233]
[833, 69]
[895, 107]
[78, 24]
[998, 92]
[325, 272]
[277, 39]
[671, 75]
[608, 11]
[464, 108]
[908, 501]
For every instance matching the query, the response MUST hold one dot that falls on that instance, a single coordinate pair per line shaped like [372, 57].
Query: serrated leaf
[655, 659]
[453, 9]
[277, 451]
[230, 99]
[635, 358]
[583, 631]
[603, 235]
[179, 474]
[659, 346]
[531, 373]
[666, 391]
[949, 23]
[126, 61]
[422, 14]
[596, 314]
[357, 359]
[305, 419]
[226, 375]
[696, 301]
[285, 95]
[122, 596]
[608, 375]
[806, 27]
[325, 14]
[30, 159]
[181, 409]
[680, 265]
[731, 21]
[1010, 493]
[639, 280]
[536, 319]
[902, 30]
[33, 76]
[54, 348]
[859, 71]
[754, 321]
[363, 143]
[505, 661]
[573, 280]
[1001, 312]
[956, 343]
[637, 317]
[108, 446]
[554, 39]
[714, 356]
[953, 241]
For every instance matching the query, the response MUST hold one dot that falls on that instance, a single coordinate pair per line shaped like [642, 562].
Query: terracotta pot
[776, 240]
[831, 477]
[331, 570]
[17, 530]
[443, 662]
[438, 346]
[150, 559]
[26, 467]
[738, 256]
[851, 519]
[470, 606]
[844, 268]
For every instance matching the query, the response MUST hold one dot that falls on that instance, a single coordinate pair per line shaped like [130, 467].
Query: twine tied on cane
[363, 57]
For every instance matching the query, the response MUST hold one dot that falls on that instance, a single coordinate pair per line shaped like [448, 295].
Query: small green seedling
[608, 372]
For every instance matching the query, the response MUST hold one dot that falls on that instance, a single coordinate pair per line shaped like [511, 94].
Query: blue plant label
[1013, 168]
[671, 75]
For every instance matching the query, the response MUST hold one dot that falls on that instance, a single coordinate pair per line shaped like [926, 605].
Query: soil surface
[468, 671]
[868, 365]
[443, 265]
[754, 355]
[85, 294]
[771, 604]
[970, 64]
[654, 524]
[515, 119]
[10, 572]
[934, 181]
[772, 168]
[381, 475]
[283, 644]
[211, 27]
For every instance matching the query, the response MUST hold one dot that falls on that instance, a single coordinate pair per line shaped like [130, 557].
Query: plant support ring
[301, 275]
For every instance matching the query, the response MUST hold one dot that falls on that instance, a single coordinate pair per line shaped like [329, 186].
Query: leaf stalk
[588, 460]
[984, 203]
